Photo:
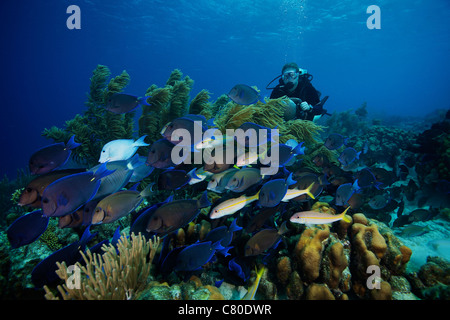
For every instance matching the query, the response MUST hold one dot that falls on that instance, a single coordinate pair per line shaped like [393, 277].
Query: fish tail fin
[193, 174]
[260, 272]
[289, 180]
[308, 191]
[283, 228]
[203, 202]
[254, 197]
[140, 142]
[72, 144]
[217, 246]
[102, 171]
[299, 149]
[344, 217]
[148, 190]
[143, 101]
[234, 227]
[86, 237]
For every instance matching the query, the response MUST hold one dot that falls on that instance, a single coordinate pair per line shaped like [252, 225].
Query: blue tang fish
[193, 129]
[176, 214]
[160, 155]
[335, 141]
[344, 193]
[243, 94]
[273, 191]
[121, 149]
[51, 157]
[224, 235]
[193, 257]
[288, 151]
[122, 103]
[264, 240]
[45, 271]
[366, 178]
[143, 216]
[27, 229]
[348, 156]
[67, 194]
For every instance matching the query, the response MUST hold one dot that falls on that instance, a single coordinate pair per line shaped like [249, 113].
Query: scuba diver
[295, 83]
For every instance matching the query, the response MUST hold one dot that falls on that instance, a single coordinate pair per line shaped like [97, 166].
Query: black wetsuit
[304, 91]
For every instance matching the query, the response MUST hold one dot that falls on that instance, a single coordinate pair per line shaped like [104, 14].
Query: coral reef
[115, 275]
[432, 281]
[326, 262]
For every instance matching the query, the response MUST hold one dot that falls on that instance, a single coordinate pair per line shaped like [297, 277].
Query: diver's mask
[287, 79]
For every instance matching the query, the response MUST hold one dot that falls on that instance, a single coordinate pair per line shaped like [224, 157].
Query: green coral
[50, 239]
[165, 104]
[96, 126]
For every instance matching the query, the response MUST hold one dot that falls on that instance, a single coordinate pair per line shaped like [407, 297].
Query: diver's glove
[305, 106]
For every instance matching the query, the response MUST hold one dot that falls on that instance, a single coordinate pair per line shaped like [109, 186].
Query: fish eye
[103, 151]
[45, 200]
[29, 189]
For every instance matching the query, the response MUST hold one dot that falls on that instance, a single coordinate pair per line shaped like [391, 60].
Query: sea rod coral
[112, 275]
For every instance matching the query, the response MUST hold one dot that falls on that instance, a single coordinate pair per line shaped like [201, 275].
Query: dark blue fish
[170, 260]
[335, 141]
[193, 257]
[68, 194]
[122, 103]
[51, 157]
[27, 229]
[241, 270]
[379, 201]
[344, 193]
[224, 235]
[264, 240]
[273, 191]
[45, 272]
[243, 94]
[174, 179]
[288, 151]
[114, 240]
[176, 214]
[184, 132]
[141, 170]
[367, 179]
[348, 156]
[123, 171]
[160, 155]
[143, 217]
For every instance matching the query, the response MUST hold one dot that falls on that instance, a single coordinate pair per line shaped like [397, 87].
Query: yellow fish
[294, 193]
[231, 206]
[250, 295]
[314, 217]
